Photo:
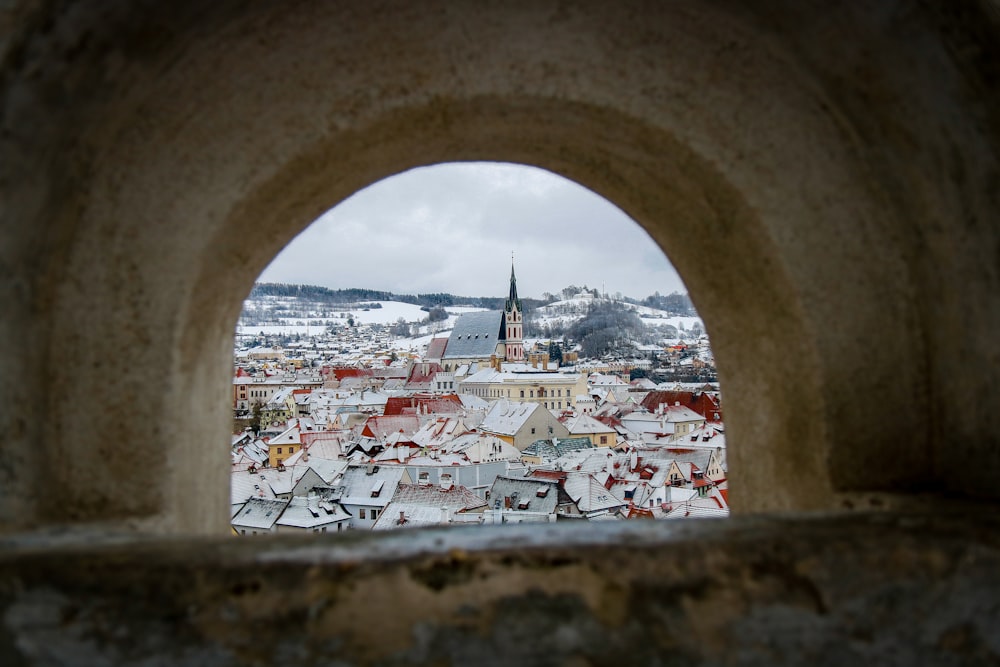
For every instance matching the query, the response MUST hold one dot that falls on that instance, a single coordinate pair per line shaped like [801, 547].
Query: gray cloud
[452, 228]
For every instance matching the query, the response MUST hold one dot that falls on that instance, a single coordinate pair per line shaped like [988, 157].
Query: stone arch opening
[549, 255]
[852, 148]
[185, 157]
[191, 197]
[646, 171]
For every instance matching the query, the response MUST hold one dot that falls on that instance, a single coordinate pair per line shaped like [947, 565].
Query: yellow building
[281, 447]
[585, 426]
[553, 391]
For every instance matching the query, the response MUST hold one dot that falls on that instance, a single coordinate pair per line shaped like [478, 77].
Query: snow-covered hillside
[274, 315]
[284, 315]
[570, 310]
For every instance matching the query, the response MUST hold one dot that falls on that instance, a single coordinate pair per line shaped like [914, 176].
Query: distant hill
[675, 304]
[304, 309]
[354, 295]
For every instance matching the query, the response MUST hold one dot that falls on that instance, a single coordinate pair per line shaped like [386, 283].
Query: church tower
[513, 322]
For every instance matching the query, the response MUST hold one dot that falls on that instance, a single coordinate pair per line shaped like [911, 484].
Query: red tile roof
[557, 475]
[423, 372]
[701, 402]
[342, 373]
[426, 403]
[435, 349]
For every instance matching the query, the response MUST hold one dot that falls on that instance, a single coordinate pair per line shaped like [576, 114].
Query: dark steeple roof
[512, 300]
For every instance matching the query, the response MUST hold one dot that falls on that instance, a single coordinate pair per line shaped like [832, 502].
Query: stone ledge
[879, 588]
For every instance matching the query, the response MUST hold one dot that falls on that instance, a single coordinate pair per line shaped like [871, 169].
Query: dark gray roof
[527, 497]
[549, 449]
[475, 335]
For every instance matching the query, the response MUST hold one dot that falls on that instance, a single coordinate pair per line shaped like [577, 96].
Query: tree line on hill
[355, 295]
[674, 303]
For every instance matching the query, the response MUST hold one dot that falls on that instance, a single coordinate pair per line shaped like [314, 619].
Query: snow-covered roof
[589, 494]
[259, 513]
[507, 417]
[370, 484]
[311, 512]
[582, 424]
[525, 495]
[475, 335]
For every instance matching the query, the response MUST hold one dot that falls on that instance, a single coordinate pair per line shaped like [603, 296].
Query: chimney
[633, 460]
[534, 361]
[493, 361]
[402, 517]
[545, 362]
[445, 515]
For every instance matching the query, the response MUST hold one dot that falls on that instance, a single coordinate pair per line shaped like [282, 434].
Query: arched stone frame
[776, 190]
[128, 152]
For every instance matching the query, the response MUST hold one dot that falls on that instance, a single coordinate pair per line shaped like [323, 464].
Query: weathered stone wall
[823, 175]
[859, 589]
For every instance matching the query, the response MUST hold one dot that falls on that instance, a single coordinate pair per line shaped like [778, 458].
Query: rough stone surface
[824, 175]
[824, 590]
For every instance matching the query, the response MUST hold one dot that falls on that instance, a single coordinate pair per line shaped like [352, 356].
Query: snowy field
[389, 313]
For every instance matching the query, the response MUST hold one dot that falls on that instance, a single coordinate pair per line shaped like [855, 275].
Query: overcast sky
[452, 228]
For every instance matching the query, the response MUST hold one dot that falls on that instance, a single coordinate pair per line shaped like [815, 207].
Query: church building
[480, 338]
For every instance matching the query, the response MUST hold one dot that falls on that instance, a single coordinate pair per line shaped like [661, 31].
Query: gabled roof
[475, 335]
[341, 373]
[548, 450]
[290, 436]
[589, 494]
[507, 417]
[370, 484]
[259, 513]
[701, 402]
[525, 495]
[436, 348]
[381, 427]
[424, 404]
[434, 495]
[585, 424]
[423, 372]
[305, 512]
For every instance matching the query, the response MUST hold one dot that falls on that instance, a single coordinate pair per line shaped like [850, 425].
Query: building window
[291, 450]
[532, 430]
[522, 393]
[374, 514]
[279, 450]
[361, 513]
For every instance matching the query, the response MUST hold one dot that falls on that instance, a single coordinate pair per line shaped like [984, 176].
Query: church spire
[513, 322]
[512, 299]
